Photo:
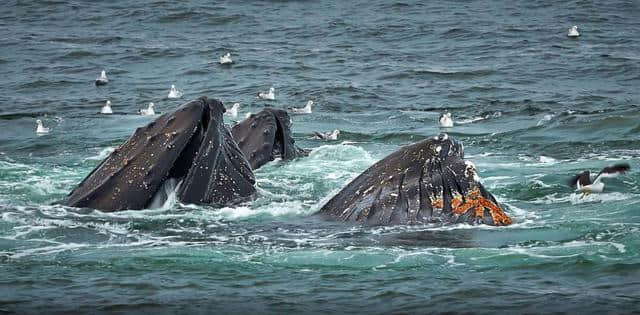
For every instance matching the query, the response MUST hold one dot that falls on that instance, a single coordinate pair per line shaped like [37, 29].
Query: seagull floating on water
[271, 95]
[41, 129]
[332, 135]
[233, 111]
[445, 120]
[304, 110]
[573, 31]
[226, 59]
[149, 110]
[174, 93]
[583, 182]
[106, 109]
[102, 79]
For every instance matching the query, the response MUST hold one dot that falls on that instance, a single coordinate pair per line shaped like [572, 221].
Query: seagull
[247, 115]
[148, 111]
[226, 59]
[446, 121]
[41, 130]
[583, 182]
[233, 111]
[304, 110]
[106, 109]
[268, 96]
[102, 79]
[174, 93]
[573, 31]
[333, 135]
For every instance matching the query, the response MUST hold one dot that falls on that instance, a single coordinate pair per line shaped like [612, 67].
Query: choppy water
[536, 108]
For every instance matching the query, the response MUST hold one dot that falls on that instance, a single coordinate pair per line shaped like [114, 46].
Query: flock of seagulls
[582, 182]
[174, 93]
[149, 111]
[106, 109]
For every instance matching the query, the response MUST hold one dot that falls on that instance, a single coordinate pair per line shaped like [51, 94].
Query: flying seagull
[583, 182]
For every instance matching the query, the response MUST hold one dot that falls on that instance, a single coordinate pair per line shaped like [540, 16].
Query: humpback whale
[425, 182]
[191, 145]
[266, 135]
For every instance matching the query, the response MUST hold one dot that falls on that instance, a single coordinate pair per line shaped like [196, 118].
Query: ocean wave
[482, 116]
[48, 84]
[101, 155]
[89, 40]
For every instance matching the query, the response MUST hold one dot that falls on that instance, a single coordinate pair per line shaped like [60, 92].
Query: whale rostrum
[265, 136]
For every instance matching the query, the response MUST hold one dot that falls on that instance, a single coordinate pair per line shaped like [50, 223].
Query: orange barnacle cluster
[474, 200]
[437, 203]
[498, 216]
[479, 202]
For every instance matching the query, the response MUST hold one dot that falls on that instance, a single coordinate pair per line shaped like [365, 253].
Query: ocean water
[533, 107]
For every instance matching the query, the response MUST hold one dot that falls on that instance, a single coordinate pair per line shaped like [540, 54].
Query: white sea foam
[577, 198]
[101, 155]
[547, 160]
[545, 119]
[273, 209]
[478, 118]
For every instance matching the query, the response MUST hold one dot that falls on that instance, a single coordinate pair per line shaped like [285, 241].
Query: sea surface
[532, 107]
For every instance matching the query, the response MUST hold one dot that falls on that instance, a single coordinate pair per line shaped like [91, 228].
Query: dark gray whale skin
[266, 135]
[191, 143]
[425, 182]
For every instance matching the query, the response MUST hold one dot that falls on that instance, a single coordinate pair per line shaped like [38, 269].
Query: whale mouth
[182, 165]
[279, 142]
[166, 196]
[190, 145]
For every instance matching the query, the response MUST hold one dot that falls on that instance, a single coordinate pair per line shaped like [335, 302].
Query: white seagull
[41, 129]
[446, 121]
[148, 111]
[174, 93]
[332, 135]
[271, 95]
[102, 79]
[573, 31]
[233, 111]
[583, 182]
[106, 109]
[304, 110]
[226, 59]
